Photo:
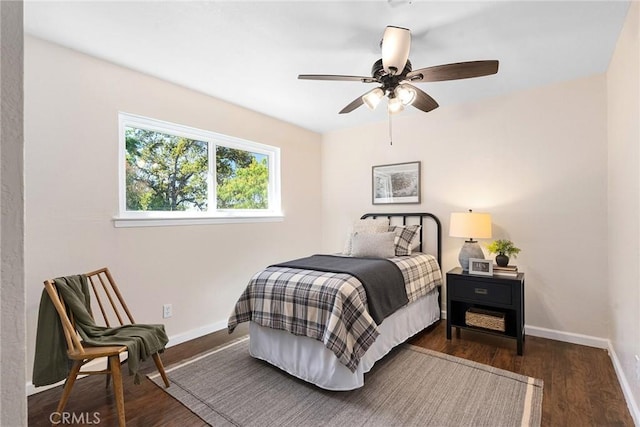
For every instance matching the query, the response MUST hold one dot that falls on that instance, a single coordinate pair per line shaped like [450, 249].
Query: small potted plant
[504, 249]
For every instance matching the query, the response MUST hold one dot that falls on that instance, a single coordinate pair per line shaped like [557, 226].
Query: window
[171, 174]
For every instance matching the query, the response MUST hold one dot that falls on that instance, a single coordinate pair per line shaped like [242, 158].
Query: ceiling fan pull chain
[390, 130]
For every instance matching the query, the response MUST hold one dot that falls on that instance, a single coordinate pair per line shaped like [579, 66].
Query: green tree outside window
[169, 173]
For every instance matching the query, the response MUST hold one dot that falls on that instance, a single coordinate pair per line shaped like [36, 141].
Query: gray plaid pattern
[328, 307]
[404, 235]
[421, 274]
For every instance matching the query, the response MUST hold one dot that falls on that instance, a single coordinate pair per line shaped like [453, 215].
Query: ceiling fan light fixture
[405, 93]
[372, 99]
[396, 42]
[395, 105]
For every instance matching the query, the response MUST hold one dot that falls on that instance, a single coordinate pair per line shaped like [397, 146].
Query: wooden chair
[108, 297]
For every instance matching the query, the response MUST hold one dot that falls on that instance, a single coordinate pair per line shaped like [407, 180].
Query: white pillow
[369, 225]
[374, 245]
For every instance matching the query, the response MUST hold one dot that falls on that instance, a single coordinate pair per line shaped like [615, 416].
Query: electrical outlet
[638, 368]
[167, 311]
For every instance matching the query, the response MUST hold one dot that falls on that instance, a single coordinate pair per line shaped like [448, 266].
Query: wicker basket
[486, 319]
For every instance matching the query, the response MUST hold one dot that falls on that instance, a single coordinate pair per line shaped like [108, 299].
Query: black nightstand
[496, 293]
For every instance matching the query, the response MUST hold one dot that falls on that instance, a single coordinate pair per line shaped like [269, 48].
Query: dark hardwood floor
[580, 385]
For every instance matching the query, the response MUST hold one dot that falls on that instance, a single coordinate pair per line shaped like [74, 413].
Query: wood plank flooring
[580, 385]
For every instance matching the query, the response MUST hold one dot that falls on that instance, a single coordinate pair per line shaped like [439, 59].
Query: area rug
[411, 386]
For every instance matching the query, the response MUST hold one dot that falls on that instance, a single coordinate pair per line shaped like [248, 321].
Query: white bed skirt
[311, 361]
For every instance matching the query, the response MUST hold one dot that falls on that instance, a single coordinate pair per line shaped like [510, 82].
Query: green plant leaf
[503, 247]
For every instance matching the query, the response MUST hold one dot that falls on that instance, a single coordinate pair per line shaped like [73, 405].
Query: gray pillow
[369, 225]
[373, 245]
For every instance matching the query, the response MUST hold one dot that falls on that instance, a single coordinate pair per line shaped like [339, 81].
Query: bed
[322, 325]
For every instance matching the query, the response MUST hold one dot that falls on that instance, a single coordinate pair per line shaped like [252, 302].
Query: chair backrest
[107, 297]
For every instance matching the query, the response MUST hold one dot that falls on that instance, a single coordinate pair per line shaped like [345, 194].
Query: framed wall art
[396, 183]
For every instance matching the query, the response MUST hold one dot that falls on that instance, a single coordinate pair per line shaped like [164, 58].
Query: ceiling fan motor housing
[389, 81]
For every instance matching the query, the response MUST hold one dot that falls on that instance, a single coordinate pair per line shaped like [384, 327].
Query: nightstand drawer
[482, 291]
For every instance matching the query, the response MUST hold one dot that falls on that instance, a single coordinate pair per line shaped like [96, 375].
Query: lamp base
[470, 249]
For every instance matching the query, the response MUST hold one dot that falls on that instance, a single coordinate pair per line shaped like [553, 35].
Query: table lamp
[470, 225]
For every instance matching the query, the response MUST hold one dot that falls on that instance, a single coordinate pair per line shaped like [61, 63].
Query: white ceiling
[250, 53]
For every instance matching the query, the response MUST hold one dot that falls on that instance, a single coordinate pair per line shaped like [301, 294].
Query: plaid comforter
[328, 307]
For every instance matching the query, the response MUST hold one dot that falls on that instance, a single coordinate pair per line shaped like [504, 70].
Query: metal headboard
[420, 216]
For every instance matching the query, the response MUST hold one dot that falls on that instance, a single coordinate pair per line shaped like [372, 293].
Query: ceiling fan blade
[395, 44]
[460, 70]
[352, 106]
[362, 79]
[423, 101]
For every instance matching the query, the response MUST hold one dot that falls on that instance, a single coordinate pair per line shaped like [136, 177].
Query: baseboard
[196, 333]
[173, 340]
[624, 384]
[570, 337]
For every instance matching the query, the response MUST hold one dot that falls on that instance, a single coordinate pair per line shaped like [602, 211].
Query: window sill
[127, 222]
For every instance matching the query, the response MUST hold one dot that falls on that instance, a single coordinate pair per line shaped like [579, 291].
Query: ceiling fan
[394, 75]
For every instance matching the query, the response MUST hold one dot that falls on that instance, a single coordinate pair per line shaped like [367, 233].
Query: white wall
[13, 403]
[71, 134]
[535, 160]
[624, 199]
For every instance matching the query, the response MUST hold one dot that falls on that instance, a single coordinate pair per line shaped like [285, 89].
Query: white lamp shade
[470, 225]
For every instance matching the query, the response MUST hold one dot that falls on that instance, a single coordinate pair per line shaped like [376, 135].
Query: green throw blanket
[51, 363]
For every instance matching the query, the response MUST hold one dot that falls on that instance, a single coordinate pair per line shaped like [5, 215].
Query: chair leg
[108, 379]
[114, 364]
[160, 366]
[68, 385]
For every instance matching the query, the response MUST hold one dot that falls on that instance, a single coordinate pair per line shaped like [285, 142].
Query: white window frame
[126, 218]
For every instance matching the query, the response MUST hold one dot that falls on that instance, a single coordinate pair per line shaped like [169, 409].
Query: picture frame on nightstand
[480, 267]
